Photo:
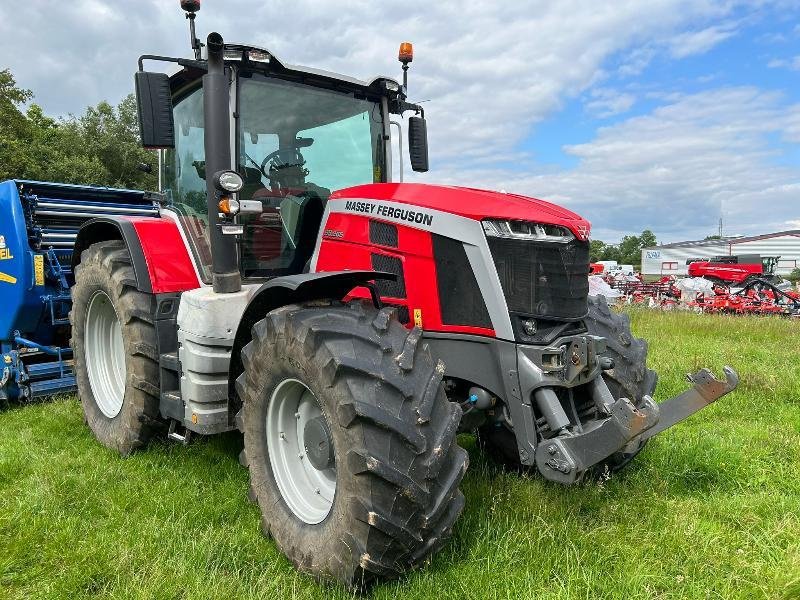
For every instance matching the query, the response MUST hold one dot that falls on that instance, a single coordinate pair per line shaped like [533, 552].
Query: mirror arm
[404, 106]
[400, 144]
[184, 62]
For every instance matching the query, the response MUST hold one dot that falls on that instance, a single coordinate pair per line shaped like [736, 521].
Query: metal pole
[216, 111]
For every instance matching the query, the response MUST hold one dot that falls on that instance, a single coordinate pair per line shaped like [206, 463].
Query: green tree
[596, 248]
[627, 252]
[16, 158]
[631, 249]
[611, 252]
[100, 147]
[111, 135]
[647, 239]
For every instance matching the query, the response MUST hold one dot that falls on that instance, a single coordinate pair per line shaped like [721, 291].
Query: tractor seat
[252, 183]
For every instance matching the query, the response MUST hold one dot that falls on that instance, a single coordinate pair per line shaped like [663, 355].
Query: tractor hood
[469, 202]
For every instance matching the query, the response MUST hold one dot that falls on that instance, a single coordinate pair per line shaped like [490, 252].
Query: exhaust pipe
[216, 112]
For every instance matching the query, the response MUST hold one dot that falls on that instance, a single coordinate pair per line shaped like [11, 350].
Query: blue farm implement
[39, 223]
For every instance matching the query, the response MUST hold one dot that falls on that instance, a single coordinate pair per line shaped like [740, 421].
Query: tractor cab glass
[295, 144]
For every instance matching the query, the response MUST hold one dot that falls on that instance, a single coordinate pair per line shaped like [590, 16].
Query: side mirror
[154, 102]
[418, 143]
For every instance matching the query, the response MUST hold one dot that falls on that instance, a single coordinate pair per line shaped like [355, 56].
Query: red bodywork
[346, 239]
[168, 262]
[728, 272]
[596, 268]
[471, 203]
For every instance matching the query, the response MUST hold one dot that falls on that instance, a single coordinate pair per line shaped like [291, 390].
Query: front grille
[543, 278]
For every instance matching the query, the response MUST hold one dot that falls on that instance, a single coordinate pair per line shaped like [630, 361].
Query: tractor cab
[296, 135]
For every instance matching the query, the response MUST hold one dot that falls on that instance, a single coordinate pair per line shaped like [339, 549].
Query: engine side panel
[383, 237]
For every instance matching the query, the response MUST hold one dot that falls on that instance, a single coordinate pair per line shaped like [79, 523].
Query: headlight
[525, 230]
[258, 56]
[231, 54]
[228, 181]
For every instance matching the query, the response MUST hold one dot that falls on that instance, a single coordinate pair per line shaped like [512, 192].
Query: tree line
[627, 252]
[99, 147]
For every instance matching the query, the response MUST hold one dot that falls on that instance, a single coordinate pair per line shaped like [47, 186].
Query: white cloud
[606, 102]
[699, 42]
[675, 169]
[785, 63]
[637, 61]
[491, 71]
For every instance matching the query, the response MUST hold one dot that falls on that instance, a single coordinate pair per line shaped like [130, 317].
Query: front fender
[292, 289]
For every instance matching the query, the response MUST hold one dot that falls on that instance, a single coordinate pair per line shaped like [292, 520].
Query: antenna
[191, 7]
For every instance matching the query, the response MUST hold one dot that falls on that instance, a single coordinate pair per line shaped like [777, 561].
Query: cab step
[178, 433]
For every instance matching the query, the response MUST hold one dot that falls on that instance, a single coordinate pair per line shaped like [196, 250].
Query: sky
[649, 114]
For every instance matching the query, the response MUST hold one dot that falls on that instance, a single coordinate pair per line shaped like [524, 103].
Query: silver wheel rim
[307, 491]
[105, 354]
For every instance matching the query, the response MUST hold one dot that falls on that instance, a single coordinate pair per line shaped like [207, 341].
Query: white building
[670, 259]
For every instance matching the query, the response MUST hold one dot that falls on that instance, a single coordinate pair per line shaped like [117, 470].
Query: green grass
[710, 509]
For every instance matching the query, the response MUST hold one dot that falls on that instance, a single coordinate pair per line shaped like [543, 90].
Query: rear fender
[161, 262]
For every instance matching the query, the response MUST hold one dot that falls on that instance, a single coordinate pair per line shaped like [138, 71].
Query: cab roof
[263, 60]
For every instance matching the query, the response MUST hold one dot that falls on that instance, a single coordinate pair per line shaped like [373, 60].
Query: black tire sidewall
[394, 435]
[126, 430]
[287, 361]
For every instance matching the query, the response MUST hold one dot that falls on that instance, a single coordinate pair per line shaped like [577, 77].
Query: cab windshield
[295, 144]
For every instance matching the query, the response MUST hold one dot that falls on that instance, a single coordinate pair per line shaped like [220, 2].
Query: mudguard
[292, 289]
[161, 261]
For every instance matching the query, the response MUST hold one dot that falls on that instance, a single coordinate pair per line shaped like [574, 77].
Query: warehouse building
[671, 259]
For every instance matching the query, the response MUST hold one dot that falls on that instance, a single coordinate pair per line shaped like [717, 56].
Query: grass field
[710, 509]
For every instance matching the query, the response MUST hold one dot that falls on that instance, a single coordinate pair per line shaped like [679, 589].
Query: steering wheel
[275, 154]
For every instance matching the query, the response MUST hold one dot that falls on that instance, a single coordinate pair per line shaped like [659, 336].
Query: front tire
[396, 465]
[630, 378]
[114, 344]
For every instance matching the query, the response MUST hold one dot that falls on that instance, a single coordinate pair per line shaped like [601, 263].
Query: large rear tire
[114, 343]
[383, 496]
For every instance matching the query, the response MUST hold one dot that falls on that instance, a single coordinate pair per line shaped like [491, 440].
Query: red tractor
[734, 270]
[350, 335]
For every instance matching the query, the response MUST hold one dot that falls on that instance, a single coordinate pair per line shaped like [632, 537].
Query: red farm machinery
[350, 327]
[734, 270]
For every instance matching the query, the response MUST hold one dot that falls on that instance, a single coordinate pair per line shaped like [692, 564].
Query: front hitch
[567, 457]
[706, 390]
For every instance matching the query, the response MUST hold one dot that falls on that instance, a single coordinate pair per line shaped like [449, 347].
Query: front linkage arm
[706, 390]
[567, 457]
